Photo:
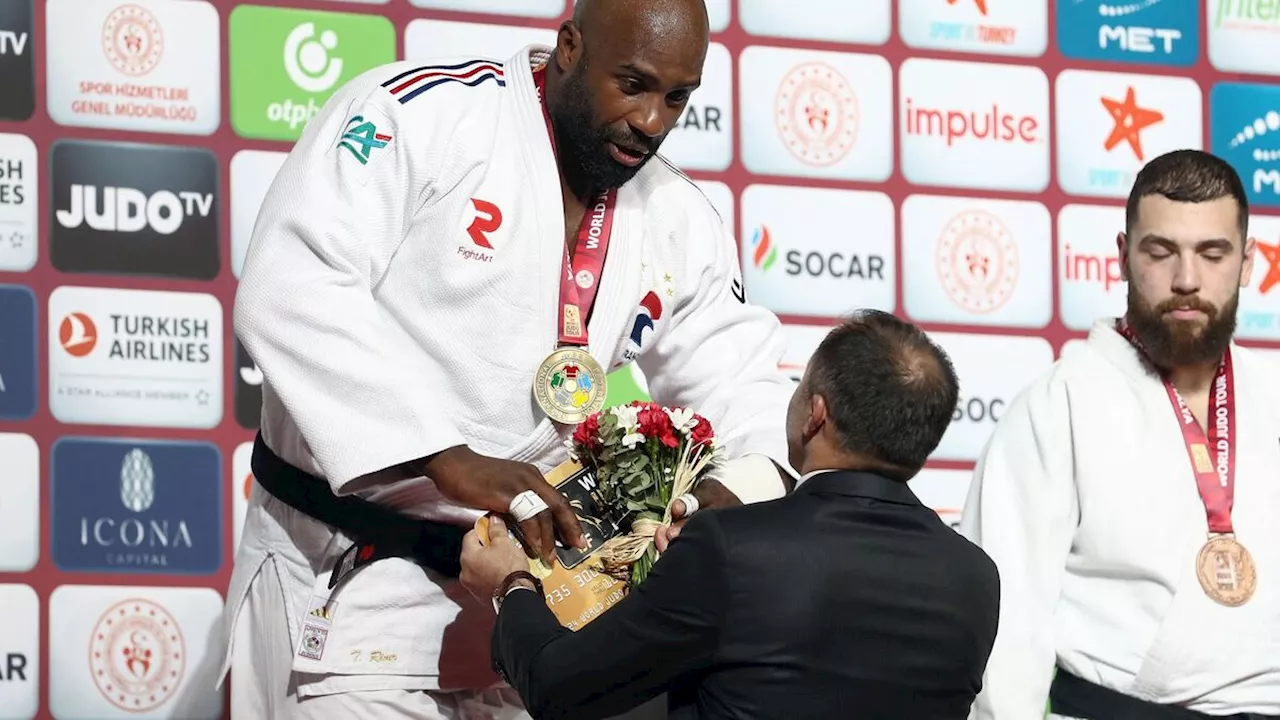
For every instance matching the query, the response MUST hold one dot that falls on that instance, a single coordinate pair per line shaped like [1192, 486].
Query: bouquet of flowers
[644, 457]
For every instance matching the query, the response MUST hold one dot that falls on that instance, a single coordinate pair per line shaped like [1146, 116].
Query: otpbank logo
[1156, 32]
[1244, 130]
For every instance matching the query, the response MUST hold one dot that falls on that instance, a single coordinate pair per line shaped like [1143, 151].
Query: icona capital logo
[285, 63]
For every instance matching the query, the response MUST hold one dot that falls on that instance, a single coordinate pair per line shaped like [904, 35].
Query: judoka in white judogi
[399, 293]
[1086, 499]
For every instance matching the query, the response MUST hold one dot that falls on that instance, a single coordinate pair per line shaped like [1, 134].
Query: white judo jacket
[401, 288]
[1085, 499]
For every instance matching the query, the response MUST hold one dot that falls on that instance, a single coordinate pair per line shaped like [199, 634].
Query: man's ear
[1250, 251]
[817, 418]
[1122, 251]
[568, 46]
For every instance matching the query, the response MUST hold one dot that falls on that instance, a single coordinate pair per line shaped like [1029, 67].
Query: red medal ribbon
[1213, 458]
[576, 299]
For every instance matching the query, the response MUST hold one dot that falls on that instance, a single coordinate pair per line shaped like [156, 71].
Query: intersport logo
[974, 125]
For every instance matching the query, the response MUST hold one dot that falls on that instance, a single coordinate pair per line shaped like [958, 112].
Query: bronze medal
[569, 385]
[1226, 571]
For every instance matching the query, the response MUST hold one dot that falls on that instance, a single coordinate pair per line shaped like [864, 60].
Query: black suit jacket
[846, 599]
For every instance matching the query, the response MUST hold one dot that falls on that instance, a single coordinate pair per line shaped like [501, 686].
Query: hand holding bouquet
[644, 457]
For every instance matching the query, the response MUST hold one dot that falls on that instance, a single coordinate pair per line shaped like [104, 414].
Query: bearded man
[449, 262]
[1130, 496]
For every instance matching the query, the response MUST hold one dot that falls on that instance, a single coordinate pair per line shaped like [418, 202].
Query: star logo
[1272, 255]
[982, 5]
[1130, 120]
[202, 398]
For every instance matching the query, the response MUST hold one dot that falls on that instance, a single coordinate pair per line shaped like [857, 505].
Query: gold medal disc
[569, 385]
[1226, 571]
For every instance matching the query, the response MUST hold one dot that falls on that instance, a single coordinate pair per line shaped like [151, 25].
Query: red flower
[653, 422]
[702, 431]
[587, 434]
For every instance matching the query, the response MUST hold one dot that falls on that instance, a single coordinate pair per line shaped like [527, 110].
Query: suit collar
[855, 483]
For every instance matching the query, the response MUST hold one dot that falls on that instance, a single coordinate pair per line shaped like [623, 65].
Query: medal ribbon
[592, 243]
[1213, 458]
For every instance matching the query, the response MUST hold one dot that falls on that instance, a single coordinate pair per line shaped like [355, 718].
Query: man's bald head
[887, 393]
[658, 17]
[619, 79]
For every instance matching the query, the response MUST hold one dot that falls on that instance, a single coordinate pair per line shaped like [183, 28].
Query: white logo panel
[816, 114]
[974, 125]
[828, 20]
[522, 8]
[19, 507]
[1258, 317]
[703, 136]
[133, 652]
[1242, 36]
[139, 65]
[718, 12]
[241, 483]
[943, 491]
[429, 40]
[20, 641]
[252, 172]
[992, 370]
[1111, 124]
[19, 185]
[817, 251]
[802, 342]
[135, 357]
[976, 261]
[994, 27]
[1090, 285]
[721, 198]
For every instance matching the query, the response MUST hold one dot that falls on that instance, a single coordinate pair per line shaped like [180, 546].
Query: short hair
[1188, 176]
[890, 391]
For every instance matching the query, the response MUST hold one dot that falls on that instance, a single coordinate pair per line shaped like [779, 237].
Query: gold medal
[1226, 571]
[569, 385]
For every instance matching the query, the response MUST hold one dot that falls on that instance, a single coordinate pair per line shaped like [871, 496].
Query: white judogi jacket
[1085, 499]
[386, 332]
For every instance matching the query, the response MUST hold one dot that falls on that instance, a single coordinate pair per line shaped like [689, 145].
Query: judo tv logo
[138, 507]
[134, 210]
[1160, 32]
[17, 64]
[1244, 129]
[286, 63]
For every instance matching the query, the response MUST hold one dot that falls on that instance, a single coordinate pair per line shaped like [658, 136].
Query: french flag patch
[412, 83]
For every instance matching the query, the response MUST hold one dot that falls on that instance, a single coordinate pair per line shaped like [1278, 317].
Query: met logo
[1244, 130]
[362, 139]
[1156, 32]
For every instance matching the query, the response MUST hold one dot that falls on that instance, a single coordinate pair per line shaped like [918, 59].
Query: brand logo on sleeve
[361, 138]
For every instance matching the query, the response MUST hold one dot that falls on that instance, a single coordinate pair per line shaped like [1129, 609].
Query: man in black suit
[845, 599]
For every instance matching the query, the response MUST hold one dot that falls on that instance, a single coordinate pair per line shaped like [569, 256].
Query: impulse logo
[994, 124]
[1244, 120]
[1162, 32]
[1092, 268]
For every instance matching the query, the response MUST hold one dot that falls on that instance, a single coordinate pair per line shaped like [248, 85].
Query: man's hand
[477, 481]
[710, 494]
[485, 564]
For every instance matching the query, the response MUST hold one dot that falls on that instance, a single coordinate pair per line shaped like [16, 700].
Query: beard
[582, 145]
[1171, 342]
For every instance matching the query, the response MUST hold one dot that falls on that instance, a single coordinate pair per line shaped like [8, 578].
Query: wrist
[443, 462]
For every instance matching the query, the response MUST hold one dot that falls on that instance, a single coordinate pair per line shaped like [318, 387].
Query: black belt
[1073, 697]
[376, 531]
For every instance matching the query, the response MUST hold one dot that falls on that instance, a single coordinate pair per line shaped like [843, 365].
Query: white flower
[628, 417]
[682, 419]
[630, 440]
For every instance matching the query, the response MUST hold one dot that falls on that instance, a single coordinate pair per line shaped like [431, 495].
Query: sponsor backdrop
[962, 163]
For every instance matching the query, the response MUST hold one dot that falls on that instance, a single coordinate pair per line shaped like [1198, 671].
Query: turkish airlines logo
[77, 334]
[1130, 120]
